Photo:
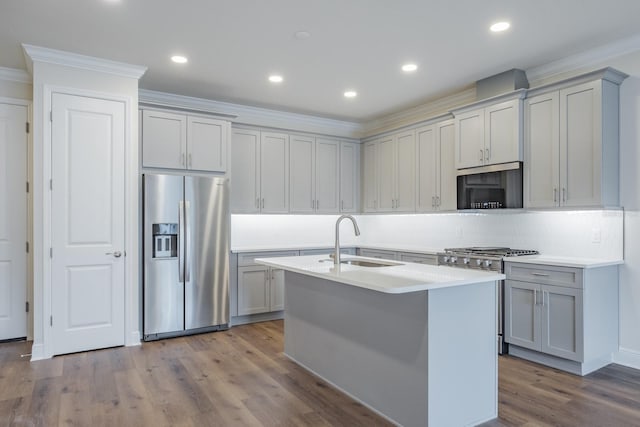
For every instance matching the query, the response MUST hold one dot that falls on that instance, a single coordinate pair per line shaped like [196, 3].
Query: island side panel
[463, 360]
[370, 344]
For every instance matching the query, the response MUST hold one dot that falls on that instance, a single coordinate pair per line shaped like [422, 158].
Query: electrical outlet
[596, 235]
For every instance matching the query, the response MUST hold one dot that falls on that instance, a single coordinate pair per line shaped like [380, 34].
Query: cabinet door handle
[341, 205]
[555, 195]
[539, 274]
[317, 204]
[257, 203]
[433, 201]
[564, 194]
[190, 161]
[182, 159]
[481, 155]
[263, 203]
[266, 277]
[487, 154]
[437, 201]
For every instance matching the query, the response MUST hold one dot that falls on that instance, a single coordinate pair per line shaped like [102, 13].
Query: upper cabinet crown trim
[255, 116]
[516, 94]
[610, 74]
[14, 75]
[59, 57]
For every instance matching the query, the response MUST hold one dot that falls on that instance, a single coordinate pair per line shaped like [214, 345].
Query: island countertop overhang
[402, 277]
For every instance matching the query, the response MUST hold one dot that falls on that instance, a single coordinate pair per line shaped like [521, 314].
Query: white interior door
[13, 221]
[87, 223]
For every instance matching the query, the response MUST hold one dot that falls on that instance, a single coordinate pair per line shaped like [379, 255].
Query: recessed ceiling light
[274, 78]
[350, 94]
[179, 59]
[301, 35]
[499, 26]
[408, 68]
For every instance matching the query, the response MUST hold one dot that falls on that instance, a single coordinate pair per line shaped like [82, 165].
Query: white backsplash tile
[560, 233]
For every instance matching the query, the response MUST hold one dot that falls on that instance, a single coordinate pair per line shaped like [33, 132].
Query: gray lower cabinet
[545, 318]
[420, 258]
[430, 259]
[564, 317]
[377, 253]
[260, 289]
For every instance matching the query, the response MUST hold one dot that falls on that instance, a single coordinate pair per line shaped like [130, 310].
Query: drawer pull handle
[540, 274]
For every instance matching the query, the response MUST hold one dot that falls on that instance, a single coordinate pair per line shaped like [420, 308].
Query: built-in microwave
[490, 187]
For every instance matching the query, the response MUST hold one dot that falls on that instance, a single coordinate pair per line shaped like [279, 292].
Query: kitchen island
[416, 343]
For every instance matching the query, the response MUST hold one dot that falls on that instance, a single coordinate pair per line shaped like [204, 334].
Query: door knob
[116, 254]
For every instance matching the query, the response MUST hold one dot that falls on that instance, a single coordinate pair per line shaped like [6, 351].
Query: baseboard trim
[253, 318]
[37, 352]
[627, 357]
[134, 339]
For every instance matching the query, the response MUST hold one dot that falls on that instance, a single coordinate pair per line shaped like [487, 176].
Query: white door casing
[13, 221]
[87, 223]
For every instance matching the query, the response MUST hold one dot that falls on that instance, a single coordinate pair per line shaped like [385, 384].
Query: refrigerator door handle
[181, 247]
[189, 237]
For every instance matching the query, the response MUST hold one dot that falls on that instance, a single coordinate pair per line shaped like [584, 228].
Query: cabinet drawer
[545, 274]
[344, 251]
[418, 258]
[375, 253]
[245, 259]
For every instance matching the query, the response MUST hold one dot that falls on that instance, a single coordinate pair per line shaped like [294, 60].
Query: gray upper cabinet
[349, 173]
[274, 172]
[260, 172]
[314, 174]
[435, 170]
[369, 176]
[245, 171]
[572, 143]
[177, 141]
[489, 133]
[389, 173]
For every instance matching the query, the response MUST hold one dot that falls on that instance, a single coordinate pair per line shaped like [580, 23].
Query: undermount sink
[364, 263]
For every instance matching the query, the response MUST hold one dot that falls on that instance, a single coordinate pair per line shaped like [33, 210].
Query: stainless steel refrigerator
[186, 255]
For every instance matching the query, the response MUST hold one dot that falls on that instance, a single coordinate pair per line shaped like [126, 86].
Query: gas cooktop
[490, 251]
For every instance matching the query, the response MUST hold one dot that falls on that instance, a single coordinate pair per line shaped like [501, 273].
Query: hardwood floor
[241, 378]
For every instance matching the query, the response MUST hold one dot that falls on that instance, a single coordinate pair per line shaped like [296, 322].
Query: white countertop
[564, 261]
[404, 277]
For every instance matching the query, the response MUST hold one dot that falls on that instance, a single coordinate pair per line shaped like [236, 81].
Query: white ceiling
[234, 45]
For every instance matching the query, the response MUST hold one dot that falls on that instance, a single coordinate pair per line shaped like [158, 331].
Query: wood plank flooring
[240, 377]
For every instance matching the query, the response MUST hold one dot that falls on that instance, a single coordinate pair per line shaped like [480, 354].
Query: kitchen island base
[418, 358]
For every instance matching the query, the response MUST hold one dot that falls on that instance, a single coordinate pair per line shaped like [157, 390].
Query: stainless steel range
[485, 258]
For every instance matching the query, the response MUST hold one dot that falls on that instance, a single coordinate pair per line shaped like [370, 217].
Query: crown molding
[438, 108]
[253, 116]
[584, 59]
[52, 56]
[15, 75]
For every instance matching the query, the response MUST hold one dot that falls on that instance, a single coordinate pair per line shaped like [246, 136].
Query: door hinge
[27, 127]
[50, 320]
[27, 244]
[27, 186]
[26, 308]
[50, 252]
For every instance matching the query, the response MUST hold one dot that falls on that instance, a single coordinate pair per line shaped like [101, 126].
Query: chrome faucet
[336, 255]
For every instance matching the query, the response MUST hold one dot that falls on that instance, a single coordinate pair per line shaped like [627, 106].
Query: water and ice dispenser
[165, 240]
